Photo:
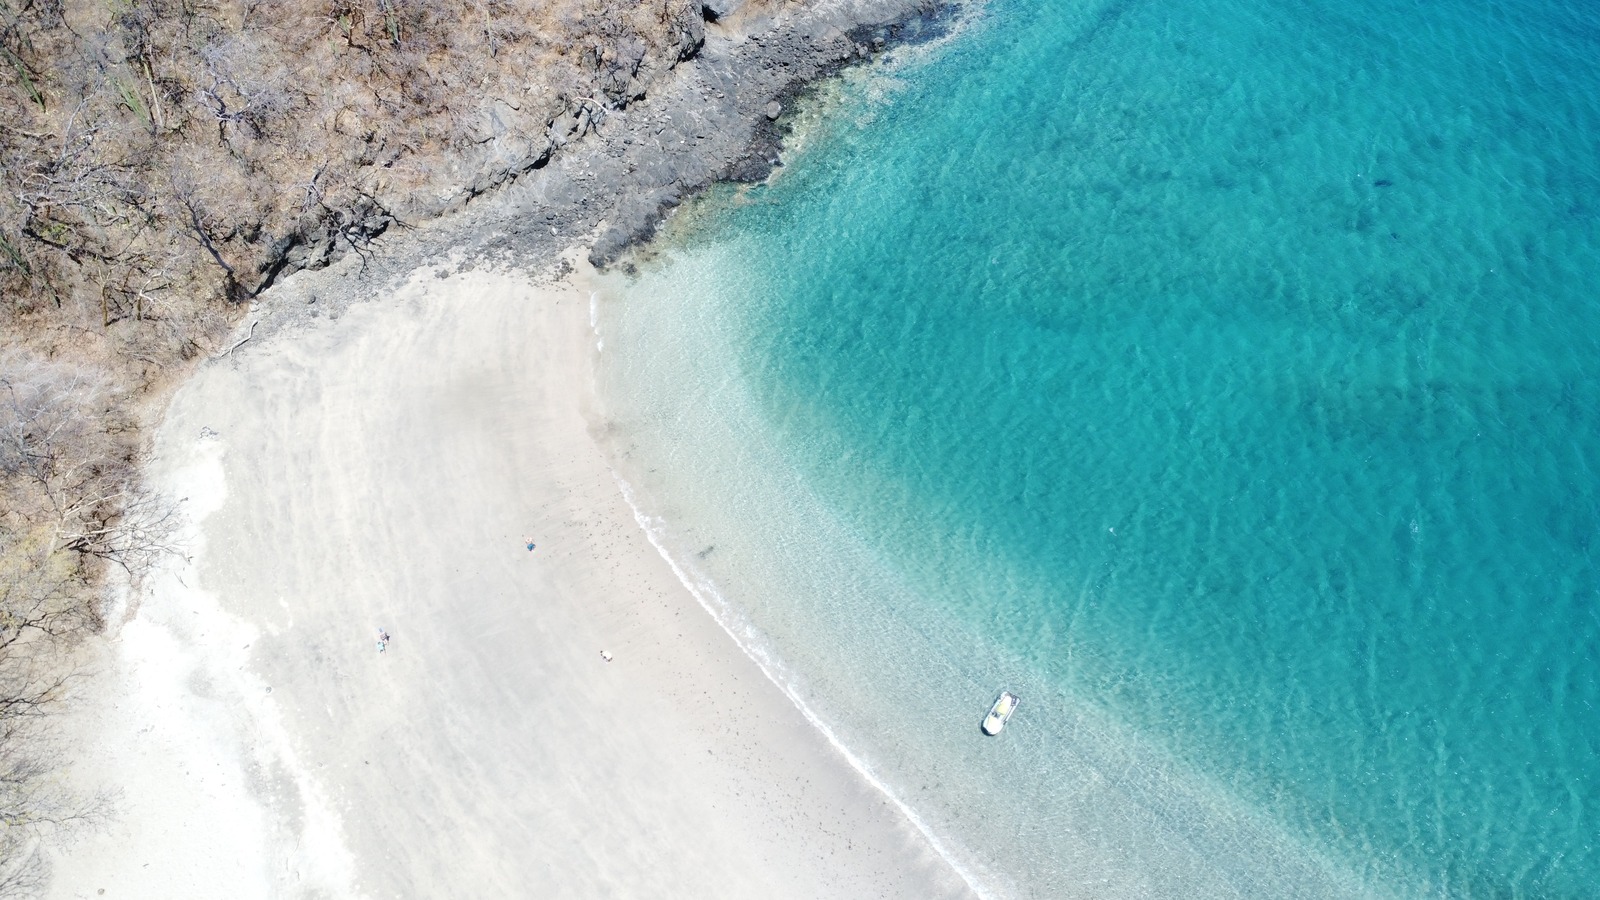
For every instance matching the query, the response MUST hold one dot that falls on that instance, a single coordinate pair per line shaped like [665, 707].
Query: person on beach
[383, 640]
[528, 542]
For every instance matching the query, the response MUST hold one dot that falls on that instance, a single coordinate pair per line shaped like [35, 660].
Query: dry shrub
[72, 506]
[162, 159]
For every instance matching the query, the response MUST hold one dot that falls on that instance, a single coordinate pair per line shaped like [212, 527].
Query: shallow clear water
[1220, 376]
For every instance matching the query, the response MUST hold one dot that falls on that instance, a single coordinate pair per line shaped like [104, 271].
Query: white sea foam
[748, 639]
[594, 320]
[1100, 811]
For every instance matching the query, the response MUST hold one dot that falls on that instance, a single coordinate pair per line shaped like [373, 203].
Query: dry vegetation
[162, 158]
[162, 161]
[70, 506]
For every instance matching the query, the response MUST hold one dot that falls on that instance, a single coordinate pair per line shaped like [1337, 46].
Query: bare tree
[44, 608]
[61, 437]
[70, 507]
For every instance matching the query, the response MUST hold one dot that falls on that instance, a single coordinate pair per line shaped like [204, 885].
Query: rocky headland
[612, 175]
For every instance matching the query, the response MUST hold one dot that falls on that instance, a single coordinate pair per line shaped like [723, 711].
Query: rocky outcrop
[725, 122]
[624, 168]
[617, 61]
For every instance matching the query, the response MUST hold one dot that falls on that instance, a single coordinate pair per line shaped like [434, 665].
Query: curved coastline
[800, 589]
[324, 531]
[816, 294]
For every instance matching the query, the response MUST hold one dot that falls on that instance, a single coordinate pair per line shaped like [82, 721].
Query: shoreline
[491, 743]
[937, 843]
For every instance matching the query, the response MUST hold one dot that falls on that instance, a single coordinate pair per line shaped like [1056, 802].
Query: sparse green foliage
[131, 99]
[13, 255]
[25, 77]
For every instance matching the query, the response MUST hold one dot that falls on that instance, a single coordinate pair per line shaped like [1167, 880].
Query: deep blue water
[1226, 375]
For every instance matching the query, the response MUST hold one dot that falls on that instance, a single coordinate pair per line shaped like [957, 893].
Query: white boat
[1003, 707]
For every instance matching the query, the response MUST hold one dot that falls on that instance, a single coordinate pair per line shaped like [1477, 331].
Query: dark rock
[717, 10]
[616, 168]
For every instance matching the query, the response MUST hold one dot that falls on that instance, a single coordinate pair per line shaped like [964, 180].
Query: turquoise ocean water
[1223, 376]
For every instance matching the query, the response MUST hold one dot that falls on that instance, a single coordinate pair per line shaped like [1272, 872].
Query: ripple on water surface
[1220, 376]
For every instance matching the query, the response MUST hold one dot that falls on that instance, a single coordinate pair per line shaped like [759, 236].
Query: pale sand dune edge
[384, 470]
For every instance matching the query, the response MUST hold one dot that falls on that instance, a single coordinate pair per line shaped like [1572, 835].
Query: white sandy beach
[384, 469]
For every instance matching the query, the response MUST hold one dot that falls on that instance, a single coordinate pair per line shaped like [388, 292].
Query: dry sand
[384, 470]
